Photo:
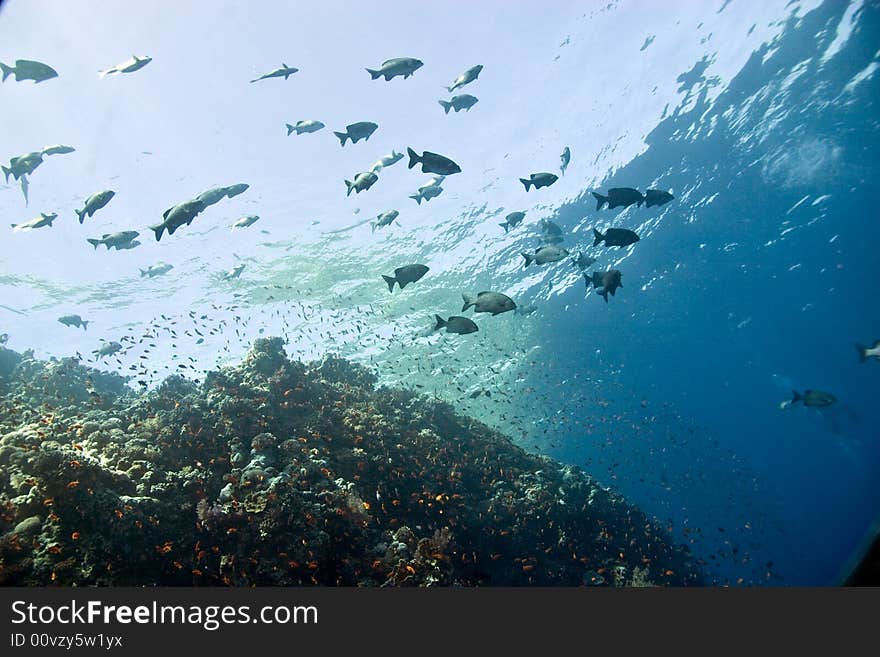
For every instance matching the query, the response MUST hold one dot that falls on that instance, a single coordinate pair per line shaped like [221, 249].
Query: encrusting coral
[276, 472]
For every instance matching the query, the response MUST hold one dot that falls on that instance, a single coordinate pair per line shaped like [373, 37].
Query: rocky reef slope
[276, 472]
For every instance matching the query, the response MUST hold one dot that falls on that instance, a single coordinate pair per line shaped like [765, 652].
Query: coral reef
[276, 472]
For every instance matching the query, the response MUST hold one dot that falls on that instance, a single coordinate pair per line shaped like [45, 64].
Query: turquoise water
[756, 279]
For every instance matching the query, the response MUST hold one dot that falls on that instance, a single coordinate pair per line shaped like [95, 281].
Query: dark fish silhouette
[74, 320]
[615, 237]
[539, 180]
[357, 131]
[405, 275]
[657, 197]
[619, 197]
[94, 203]
[512, 220]
[432, 163]
[812, 398]
[608, 282]
[177, 216]
[456, 324]
[583, 261]
[26, 69]
[458, 103]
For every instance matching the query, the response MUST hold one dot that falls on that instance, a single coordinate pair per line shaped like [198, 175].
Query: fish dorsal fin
[479, 294]
[283, 65]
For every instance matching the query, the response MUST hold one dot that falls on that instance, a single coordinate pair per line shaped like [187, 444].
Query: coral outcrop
[276, 472]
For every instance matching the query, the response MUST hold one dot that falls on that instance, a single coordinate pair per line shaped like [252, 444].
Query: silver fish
[94, 203]
[549, 253]
[384, 219]
[386, 161]
[244, 222]
[488, 302]
[391, 68]
[121, 240]
[465, 78]
[136, 63]
[301, 127]
[156, 270]
[284, 72]
[362, 182]
[45, 219]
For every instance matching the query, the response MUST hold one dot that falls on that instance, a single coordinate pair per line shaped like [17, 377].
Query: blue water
[727, 310]
[757, 279]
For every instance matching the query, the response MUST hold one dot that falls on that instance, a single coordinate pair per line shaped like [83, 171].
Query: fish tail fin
[863, 352]
[446, 105]
[290, 129]
[468, 302]
[158, 229]
[528, 259]
[374, 74]
[143, 272]
[413, 158]
[597, 237]
[604, 294]
[373, 226]
[505, 227]
[795, 396]
[104, 73]
[342, 137]
[6, 172]
[7, 70]
[93, 242]
[350, 186]
[417, 198]
[600, 200]
[525, 183]
[440, 322]
[450, 89]
[81, 215]
[85, 324]
[391, 281]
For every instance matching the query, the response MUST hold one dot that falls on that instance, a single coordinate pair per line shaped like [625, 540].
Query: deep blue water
[723, 337]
